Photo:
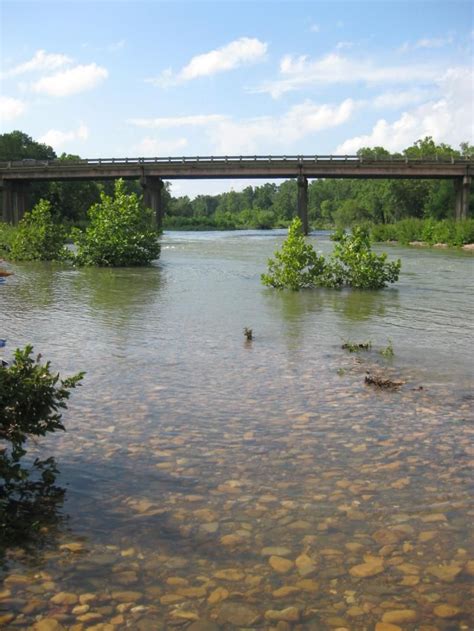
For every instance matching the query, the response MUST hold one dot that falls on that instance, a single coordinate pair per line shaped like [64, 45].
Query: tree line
[331, 202]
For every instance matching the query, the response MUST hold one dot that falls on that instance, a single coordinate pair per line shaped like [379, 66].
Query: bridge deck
[209, 167]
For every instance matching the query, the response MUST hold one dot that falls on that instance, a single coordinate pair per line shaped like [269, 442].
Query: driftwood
[382, 382]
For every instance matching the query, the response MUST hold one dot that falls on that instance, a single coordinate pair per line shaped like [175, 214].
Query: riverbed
[215, 482]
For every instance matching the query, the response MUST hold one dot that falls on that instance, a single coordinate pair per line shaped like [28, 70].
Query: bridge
[16, 176]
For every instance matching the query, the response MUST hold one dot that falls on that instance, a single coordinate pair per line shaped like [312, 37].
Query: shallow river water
[218, 483]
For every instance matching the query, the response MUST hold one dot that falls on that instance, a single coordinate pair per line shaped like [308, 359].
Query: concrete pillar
[466, 195]
[462, 190]
[152, 187]
[15, 200]
[303, 202]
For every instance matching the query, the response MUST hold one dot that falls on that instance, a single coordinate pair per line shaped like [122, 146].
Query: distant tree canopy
[340, 202]
[17, 146]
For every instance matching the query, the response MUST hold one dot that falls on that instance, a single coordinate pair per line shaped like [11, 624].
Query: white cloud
[177, 121]
[448, 119]
[426, 42]
[397, 100]
[228, 135]
[11, 108]
[72, 81]
[116, 46]
[240, 52]
[435, 42]
[301, 72]
[314, 28]
[341, 45]
[56, 138]
[276, 132]
[41, 60]
[157, 147]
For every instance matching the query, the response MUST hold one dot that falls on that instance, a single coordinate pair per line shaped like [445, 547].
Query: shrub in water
[38, 237]
[357, 266]
[120, 232]
[31, 400]
[296, 265]
[352, 263]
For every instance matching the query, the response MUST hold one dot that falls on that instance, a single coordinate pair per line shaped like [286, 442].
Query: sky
[129, 78]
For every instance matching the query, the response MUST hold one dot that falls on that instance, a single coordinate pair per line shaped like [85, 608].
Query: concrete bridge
[16, 176]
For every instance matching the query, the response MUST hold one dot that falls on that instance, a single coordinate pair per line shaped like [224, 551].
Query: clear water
[190, 450]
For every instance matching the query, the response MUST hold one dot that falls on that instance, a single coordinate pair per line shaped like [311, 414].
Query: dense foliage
[352, 263]
[7, 234]
[447, 231]
[38, 237]
[296, 265]
[120, 232]
[31, 402]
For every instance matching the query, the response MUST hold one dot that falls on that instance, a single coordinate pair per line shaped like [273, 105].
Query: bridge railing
[269, 159]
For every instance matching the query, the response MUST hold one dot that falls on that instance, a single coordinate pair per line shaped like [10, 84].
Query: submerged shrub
[38, 237]
[352, 263]
[31, 400]
[296, 265]
[120, 232]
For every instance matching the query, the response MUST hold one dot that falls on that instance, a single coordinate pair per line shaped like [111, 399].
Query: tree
[70, 200]
[17, 145]
[427, 148]
[38, 237]
[120, 232]
[373, 153]
[264, 196]
[285, 200]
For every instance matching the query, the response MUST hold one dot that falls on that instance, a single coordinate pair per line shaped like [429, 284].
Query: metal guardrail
[300, 159]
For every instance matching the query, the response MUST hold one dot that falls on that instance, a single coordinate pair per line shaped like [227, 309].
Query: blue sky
[115, 79]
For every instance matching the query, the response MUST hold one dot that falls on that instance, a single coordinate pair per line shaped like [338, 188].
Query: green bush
[31, 401]
[7, 234]
[357, 266]
[352, 263]
[383, 232]
[410, 229]
[120, 232]
[464, 232]
[38, 237]
[454, 233]
[262, 219]
[297, 265]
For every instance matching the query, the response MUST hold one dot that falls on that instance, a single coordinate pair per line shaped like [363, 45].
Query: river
[214, 482]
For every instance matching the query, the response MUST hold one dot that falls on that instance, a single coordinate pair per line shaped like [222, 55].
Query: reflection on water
[121, 293]
[31, 515]
[218, 484]
[363, 305]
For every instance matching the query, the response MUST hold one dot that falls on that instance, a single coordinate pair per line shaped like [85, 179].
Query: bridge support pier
[15, 200]
[152, 187]
[303, 202]
[462, 189]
